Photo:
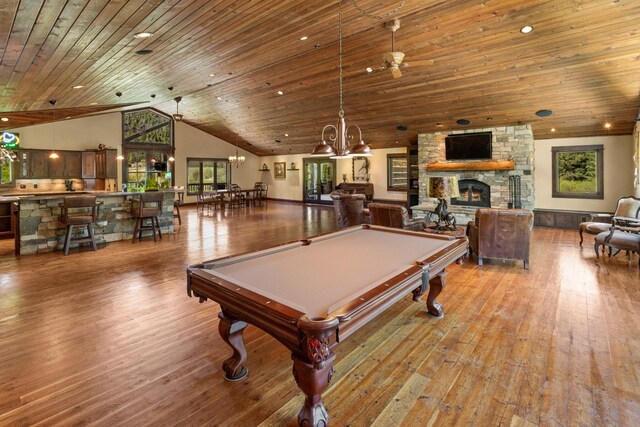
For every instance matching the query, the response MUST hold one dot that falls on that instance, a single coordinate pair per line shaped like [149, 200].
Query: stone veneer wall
[509, 142]
[42, 231]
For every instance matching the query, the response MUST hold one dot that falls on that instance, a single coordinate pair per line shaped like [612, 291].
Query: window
[207, 175]
[397, 172]
[577, 171]
[147, 145]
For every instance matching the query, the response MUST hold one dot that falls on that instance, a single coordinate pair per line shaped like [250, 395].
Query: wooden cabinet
[88, 164]
[413, 176]
[106, 164]
[358, 188]
[32, 164]
[559, 219]
[67, 165]
[6, 220]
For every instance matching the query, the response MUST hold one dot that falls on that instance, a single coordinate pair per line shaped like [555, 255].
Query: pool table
[314, 293]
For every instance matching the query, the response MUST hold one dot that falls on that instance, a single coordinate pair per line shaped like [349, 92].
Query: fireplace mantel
[502, 165]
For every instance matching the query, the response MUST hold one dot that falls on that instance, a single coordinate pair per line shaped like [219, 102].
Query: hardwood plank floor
[111, 338]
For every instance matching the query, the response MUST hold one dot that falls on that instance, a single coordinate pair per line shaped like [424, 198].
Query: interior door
[319, 180]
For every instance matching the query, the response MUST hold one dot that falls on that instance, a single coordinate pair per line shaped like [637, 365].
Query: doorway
[319, 179]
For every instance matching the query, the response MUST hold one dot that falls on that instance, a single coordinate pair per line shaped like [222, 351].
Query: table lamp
[441, 188]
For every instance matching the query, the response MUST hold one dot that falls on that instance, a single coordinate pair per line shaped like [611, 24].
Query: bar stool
[85, 213]
[177, 201]
[148, 206]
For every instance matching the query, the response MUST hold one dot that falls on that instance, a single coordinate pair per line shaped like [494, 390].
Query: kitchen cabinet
[88, 164]
[68, 165]
[32, 164]
[106, 164]
[6, 220]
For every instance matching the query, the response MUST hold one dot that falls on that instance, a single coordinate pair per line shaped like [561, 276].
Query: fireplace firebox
[473, 193]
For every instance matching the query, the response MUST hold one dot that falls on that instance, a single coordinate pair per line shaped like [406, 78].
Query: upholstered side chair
[349, 209]
[397, 216]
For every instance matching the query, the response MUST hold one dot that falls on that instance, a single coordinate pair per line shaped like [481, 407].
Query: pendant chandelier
[339, 147]
[236, 160]
[177, 116]
[53, 154]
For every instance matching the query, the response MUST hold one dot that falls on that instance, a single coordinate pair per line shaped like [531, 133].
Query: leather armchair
[501, 233]
[397, 216]
[627, 213]
[349, 209]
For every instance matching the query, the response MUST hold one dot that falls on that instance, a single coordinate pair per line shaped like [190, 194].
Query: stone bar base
[41, 230]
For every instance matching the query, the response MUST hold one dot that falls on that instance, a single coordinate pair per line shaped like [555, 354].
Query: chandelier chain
[378, 17]
[341, 112]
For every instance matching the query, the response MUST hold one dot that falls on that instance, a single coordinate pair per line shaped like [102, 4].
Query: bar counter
[39, 228]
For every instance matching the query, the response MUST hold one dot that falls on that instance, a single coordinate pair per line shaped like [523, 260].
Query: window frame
[201, 160]
[599, 151]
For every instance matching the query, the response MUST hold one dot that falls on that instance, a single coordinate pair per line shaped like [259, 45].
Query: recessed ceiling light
[553, 129]
[286, 134]
[489, 119]
[607, 125]
[142, 35]
[94, 103]
[211, 75]
[463, 122]
[526, 29]
[5, 119]
[439, 125]
[369, 70]
[143, 52]
[303, 38]
[544, 113]
[78, 87]
[402, 128]
[218, 98]
[280, 92]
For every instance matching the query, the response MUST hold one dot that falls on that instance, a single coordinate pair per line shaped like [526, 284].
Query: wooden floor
[111, 338]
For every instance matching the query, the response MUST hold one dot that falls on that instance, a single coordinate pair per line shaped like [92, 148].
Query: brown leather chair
[627, 212]
[349, 209]
[501, 233]
[147, 206]
[389, 215]
[79, 211]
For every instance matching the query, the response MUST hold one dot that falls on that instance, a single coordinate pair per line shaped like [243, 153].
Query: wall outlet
[23, 186]
[35, 186]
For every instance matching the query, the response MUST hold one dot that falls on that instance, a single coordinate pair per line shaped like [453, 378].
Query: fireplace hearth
[473, 193]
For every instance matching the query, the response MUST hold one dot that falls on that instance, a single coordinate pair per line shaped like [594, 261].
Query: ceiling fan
[393, 60]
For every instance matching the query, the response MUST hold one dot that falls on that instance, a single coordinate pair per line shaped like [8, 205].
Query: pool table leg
[436, 285]
[312, 381]
[231, 332]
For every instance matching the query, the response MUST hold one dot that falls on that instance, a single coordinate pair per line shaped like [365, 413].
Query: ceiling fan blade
[421, 63]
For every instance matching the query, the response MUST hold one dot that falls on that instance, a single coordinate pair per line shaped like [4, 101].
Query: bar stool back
[84, 212]
[147, 206]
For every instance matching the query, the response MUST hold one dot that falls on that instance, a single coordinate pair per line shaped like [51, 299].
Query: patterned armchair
[627, 213]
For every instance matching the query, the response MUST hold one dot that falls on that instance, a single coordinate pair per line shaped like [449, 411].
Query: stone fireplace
[512, 145]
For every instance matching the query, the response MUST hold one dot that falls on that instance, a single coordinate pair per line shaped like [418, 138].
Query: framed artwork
[360, 168]
[280, 169]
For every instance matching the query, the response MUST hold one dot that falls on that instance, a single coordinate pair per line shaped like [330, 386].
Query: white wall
[618, 173]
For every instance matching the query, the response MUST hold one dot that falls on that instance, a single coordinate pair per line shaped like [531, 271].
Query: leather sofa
[389, 215]
[501, 233]
[349, 209]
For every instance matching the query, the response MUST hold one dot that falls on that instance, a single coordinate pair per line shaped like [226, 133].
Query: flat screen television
[467, 146]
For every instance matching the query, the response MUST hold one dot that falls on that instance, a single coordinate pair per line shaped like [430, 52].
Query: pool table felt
[319, 278]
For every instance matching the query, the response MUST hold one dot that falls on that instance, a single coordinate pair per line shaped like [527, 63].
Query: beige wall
[618, 173]
[636, 158]
[291, 187]
[192, 142]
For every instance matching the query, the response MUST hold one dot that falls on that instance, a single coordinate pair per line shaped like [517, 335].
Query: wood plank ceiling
[227, 59]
